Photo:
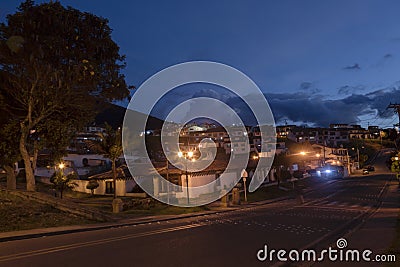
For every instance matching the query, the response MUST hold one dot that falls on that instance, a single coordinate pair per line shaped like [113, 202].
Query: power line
[391, 123]
[396, 108]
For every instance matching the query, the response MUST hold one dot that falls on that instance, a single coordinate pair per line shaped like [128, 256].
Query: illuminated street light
[187, 155]
[302, 153]
[61, 166]
[318, 155]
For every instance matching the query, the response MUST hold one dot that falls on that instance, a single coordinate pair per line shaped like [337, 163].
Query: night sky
[317, 62]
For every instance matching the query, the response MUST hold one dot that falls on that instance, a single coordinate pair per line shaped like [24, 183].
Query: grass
[265, 193]
[285, 189]
[20, 214]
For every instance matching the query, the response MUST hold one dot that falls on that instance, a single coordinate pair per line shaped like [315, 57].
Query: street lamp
[303, 153]
[244, 176]
[61, 166]
[186, 156]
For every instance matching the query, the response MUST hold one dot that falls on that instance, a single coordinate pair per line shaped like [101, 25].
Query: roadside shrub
[92, 185]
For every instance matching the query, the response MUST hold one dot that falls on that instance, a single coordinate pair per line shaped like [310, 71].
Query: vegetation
[9, 151]
[62, 182]
[395, 164]
[92, 185]
[55, 63]
[21, 214]
[111, 147]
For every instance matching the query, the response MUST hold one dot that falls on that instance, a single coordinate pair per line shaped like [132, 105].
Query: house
[200, 187]
[81, 164]
[124, 183]
[217, 134]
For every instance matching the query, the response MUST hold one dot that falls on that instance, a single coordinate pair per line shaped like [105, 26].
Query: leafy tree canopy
[56, 63]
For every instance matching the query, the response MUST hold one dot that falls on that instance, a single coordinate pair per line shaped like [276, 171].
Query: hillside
[114, 115]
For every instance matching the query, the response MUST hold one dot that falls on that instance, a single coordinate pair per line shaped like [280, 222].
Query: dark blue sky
[316, 61]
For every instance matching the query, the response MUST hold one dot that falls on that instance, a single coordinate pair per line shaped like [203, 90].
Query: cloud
[348, 89]
[309, 87]
[356, 66]
[305, 85]
[322, 112]
[302, 106]
[382, 62]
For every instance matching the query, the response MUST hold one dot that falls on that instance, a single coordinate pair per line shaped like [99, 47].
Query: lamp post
[187, 155]
[61, 166]
[244, 177]
[167, 179]
[318, 156]
[358, 155]
[303, 153]
[348, 162]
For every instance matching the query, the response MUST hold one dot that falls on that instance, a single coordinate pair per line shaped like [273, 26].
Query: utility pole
[396, 108]
[348, 162]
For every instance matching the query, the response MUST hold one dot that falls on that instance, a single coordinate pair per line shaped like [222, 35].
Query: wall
[225, 181]
[77, 159]
[81, 187]
[123, 186]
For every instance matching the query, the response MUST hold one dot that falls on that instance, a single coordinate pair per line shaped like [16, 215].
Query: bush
[92, 185]
[61, 181]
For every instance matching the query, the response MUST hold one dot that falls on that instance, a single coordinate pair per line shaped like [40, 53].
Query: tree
[9, 153]
[111, 147]
[92, 185]
[56, 63]
[395, 164]
[61, 182]
[281, 163]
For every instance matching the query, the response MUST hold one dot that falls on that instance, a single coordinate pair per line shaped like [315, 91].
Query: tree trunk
[11, 177]
[30, 177]
[279, 175]
[114, 171]
[35, 154]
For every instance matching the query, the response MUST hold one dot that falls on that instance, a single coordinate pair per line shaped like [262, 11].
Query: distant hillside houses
[333, 136]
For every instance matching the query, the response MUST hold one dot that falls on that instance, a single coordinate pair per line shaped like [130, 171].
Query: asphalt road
[331, 208]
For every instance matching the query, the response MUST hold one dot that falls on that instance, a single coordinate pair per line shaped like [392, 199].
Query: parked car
[312, 172]
[370, 168]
